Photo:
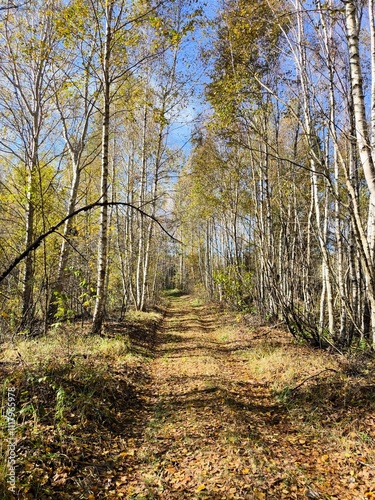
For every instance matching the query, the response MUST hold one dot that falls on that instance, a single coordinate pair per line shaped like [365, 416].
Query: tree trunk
[364, 145]
[28, 275]
[103, 234]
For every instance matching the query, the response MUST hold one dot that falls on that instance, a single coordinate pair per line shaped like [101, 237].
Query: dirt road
[215, 429]
[207, 428]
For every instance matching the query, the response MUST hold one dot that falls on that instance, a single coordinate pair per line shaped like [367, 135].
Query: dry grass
[329, 398]
[65, 345]
[228, 424]
[285, 365]
[207, 408]
[73, 389]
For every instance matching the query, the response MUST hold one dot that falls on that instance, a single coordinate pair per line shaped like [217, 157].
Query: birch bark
[364, 142]
[103, 234]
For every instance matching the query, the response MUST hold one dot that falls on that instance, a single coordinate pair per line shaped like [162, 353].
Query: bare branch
[36, 243]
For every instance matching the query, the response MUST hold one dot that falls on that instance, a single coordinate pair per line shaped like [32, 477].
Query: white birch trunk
[103, 234]
[363, 138]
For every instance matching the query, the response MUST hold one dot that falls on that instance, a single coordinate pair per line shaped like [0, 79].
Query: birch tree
[76, 94]
[117, 22]
[27, 42]
[364, 140]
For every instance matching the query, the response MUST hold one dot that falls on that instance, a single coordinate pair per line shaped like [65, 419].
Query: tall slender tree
[27, 42]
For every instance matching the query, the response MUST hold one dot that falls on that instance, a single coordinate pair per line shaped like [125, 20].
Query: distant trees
[287, 227]
[87, 95]
[26, 113]
[275, 205]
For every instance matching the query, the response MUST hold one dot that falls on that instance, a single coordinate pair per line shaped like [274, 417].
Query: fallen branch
[313, 376]
[36, 243]
[364, 463]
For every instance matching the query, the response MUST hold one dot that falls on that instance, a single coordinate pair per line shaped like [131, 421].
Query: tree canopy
[271, 202]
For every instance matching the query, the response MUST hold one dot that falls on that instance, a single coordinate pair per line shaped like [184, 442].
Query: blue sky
[195, 107]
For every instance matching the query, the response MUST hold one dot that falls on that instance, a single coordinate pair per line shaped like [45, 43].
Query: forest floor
[210, 405]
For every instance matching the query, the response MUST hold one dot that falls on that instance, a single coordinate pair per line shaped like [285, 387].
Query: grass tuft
[284, 366]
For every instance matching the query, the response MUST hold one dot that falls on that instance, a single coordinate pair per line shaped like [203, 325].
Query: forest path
[210, 425]
[210, 420]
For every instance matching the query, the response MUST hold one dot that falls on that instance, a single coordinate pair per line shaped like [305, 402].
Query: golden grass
[143, 317]
[286, 365]
[69, 341]
[66, 345]
[328, 395]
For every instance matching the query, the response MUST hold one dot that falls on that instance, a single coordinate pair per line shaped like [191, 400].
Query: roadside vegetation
[224, 148]
[77, 395]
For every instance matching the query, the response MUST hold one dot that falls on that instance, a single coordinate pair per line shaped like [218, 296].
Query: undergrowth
[288, 417]
[330, 396]
[74, 394]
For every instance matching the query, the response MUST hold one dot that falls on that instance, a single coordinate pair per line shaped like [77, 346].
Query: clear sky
[191, 64]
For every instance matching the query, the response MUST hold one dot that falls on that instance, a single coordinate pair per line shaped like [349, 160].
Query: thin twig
[364, 463]
[313, 376]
